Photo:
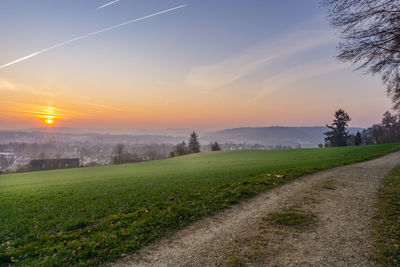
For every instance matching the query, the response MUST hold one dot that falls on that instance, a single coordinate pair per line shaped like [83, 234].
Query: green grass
[291, 219]
[92, 215]
[387, 223]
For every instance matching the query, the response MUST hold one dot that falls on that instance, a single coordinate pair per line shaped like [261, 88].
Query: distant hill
[272, 136]
[267, 136]
[57, 136]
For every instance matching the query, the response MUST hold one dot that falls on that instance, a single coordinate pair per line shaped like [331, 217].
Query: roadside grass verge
[89, 216]
[387, 222]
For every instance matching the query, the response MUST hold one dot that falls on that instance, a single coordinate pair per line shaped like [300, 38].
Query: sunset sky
[208, 65]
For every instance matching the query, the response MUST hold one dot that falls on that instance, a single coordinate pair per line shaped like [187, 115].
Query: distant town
[18, 148]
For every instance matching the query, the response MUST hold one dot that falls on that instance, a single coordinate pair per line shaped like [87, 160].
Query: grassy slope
[387, 231]
[91, 215]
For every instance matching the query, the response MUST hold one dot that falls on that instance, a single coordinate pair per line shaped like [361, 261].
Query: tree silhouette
[215, 147]
[370, 32]
[358, 139]
[194, 144]
[118, 152]
[338, 134]
[181, 149]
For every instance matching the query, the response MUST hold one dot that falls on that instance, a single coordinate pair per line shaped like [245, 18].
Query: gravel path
[341, 198]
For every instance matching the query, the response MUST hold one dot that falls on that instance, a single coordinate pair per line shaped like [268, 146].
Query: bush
[215, 147]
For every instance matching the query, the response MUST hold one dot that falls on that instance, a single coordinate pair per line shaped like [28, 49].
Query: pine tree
[338, 134]
[194, 144]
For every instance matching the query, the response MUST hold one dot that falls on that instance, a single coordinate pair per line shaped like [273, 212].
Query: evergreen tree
[194, 144]
[338, 134]
[215, 147]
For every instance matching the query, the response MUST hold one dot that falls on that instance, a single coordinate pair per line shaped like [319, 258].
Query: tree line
[120, 154]
[192, 147]
[387, 131]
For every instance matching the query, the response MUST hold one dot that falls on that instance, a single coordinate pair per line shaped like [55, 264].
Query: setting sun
[49, 121]
[47, 115]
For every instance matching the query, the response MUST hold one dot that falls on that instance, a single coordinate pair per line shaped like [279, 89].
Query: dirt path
[341, 199]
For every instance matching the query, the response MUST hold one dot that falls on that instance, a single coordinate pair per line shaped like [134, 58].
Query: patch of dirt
[341, 199]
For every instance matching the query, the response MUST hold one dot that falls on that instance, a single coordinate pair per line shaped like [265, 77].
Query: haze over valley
[199, 133]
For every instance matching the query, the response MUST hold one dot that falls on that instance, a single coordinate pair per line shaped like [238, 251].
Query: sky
[206, 65]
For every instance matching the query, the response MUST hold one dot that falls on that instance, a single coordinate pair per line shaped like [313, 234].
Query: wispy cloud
[40, 111]
[294, 76]
[230, 70]
[12, 86]
[108, 4]
[49, 112]
[6, 85]
[88, 35]
[88, 102]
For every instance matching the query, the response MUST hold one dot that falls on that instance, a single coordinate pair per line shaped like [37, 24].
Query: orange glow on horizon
[48, 115]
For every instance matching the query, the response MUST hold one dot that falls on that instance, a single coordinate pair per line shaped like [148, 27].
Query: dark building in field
[52, 164]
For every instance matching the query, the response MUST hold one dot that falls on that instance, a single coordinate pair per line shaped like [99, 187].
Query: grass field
[387, 224]
[88, 216]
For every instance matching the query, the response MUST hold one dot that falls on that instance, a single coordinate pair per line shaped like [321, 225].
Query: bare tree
[118, 153]
[387, 131]
[370, 33]
[153, 155]
[389, 120]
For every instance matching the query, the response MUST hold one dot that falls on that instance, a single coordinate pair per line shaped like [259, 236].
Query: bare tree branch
[370, 33]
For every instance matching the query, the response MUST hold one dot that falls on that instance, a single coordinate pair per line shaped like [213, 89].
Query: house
[52, 164]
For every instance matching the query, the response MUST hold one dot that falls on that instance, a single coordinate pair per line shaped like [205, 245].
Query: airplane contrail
[88, 35]
[108, 4]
